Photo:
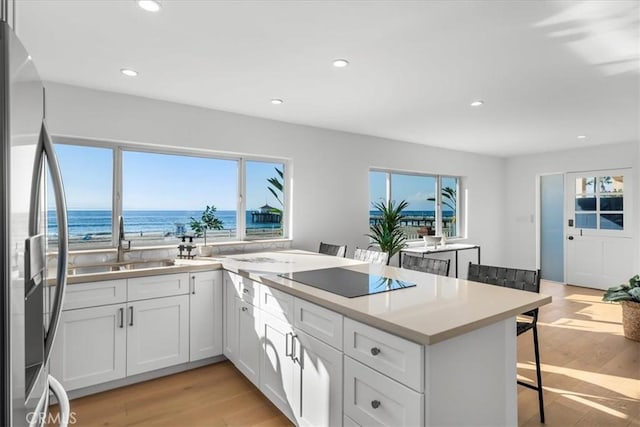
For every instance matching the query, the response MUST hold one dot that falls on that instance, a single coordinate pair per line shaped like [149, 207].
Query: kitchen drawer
[93, 294]
[277, 303]
[162, 285]
[396, 357]
[319, 322]
[371, 398]
[246, 289]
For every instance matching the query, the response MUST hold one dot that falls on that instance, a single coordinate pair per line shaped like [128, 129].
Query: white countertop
[438, 308]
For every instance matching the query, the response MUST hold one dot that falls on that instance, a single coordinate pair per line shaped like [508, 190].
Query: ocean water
[96, 222]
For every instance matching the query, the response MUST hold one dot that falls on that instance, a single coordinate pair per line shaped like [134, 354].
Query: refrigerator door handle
[46, 146]
[63, 400]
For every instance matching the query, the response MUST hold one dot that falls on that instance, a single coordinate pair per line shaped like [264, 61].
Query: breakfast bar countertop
[437, 309]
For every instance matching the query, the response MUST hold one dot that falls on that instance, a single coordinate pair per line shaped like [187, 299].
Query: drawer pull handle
[375, 404]
[245, 290]
[244, 309]
[375, 351]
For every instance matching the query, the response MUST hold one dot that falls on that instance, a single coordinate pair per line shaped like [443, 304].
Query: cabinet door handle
[193, 291]
[245, 290]
[130, 315]
[375, 404]
[286, 345]
[244, 309]
[121, 310]
[375, 351]
[293, 347]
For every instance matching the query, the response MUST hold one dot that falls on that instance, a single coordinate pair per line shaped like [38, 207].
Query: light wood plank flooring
[591, 377]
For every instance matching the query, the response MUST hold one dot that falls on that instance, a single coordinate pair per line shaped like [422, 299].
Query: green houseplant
[208, 221]
[387, 233]
[628, 295]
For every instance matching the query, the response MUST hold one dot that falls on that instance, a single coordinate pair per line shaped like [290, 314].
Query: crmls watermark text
[49, 418]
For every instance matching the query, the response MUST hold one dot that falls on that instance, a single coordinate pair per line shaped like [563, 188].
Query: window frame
[460, 212]
[117, 184]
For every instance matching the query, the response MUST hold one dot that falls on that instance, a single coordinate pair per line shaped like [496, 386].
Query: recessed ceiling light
[340, 63]
[477, 103]
[129, 72]
[149, 5]
[276, 101]
[582, 136]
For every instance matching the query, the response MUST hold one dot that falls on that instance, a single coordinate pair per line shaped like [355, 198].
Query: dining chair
[524, 280]
[427, 265]
[372, 257]
[329, 249]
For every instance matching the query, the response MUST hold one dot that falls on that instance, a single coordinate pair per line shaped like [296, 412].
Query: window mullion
[117, 194]
[241, 216]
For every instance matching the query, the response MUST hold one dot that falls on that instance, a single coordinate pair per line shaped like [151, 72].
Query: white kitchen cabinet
[277, 370]
[300, 374]
[248, 354]
[90, 346]
[205, 315]
[157, 333]
[230, 323]
[318, 382]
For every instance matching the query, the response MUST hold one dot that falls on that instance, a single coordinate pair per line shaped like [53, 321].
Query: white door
[599, 245]
[276, 374]
[90, 346]
[157, 333]
[318, 377]
[248, 354]
[205, 312]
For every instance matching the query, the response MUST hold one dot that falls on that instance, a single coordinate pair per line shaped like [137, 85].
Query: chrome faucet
[121, 248]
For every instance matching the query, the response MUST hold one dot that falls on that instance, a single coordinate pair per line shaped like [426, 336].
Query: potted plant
[628, 295]
[387, 232]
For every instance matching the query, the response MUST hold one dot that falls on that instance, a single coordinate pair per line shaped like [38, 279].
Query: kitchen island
[442, 352]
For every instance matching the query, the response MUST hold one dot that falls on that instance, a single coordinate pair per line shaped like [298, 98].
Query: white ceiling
[547, 71]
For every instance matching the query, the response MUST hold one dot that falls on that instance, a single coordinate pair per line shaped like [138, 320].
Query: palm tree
[277, 187]
[387, 233]
[448, 197]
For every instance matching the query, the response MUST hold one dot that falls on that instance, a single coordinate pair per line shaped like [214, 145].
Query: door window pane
[164, 197]
[611, 203]
[586, 221]
[585, 203]
[265, 200]
[420, 193]
[611, 184]
[87, 174]
[612, 221]
[585, 185]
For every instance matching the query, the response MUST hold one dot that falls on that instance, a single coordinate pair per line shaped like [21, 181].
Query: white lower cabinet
[371, 398]
[158, 333]
[277, 369]
[248, 338]
[90, 346]
[318, 378]
[301, 375]
[205, 315]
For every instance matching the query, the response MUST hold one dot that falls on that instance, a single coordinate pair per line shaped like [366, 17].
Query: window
[599, 202]
[432, 209]
[265, 199]
[165, 195]
[87, 173]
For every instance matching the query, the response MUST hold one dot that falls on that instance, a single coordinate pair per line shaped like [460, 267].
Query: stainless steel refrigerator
[30, 301]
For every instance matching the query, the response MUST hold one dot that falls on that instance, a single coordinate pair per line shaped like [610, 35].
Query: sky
[160, 181]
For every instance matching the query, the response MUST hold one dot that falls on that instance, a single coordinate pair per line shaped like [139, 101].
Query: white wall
[330, 168]
[521, 175]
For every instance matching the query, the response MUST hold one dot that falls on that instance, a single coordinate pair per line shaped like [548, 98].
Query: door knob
[570, 237]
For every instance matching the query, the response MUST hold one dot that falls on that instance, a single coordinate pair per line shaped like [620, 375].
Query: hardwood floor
[591, 377]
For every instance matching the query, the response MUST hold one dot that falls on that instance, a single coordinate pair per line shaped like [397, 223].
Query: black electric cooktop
[347, 283]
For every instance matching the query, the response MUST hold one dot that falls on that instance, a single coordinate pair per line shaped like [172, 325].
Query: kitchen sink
[119, 266]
